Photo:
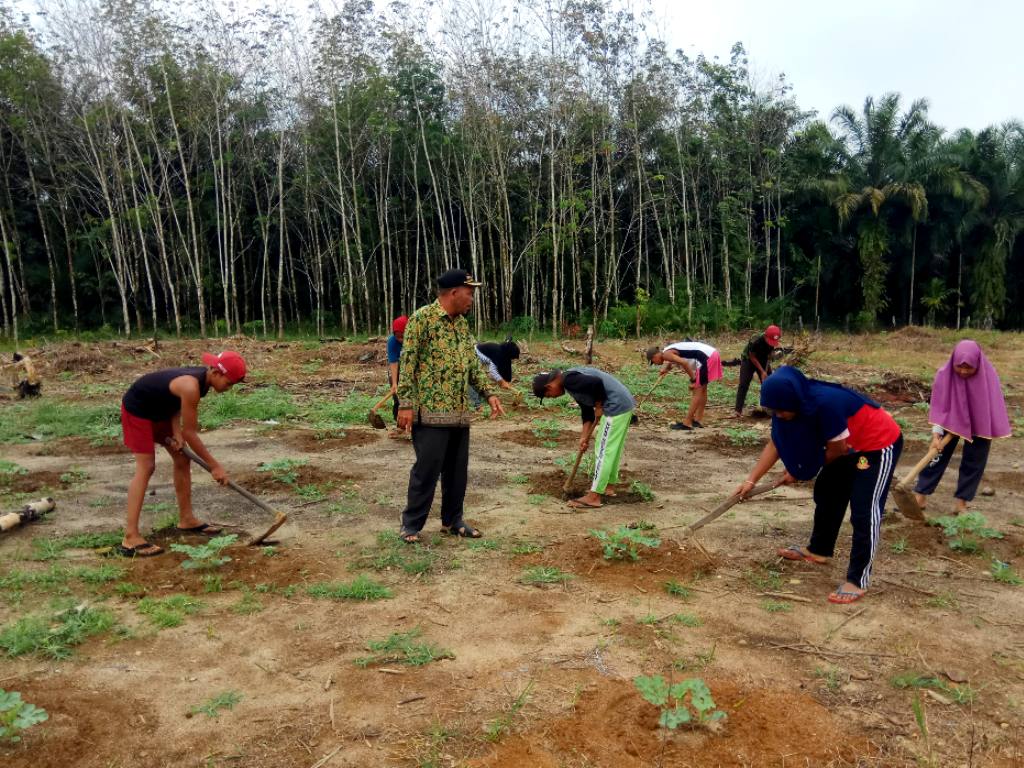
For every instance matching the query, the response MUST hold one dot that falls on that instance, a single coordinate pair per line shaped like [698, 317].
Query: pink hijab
[972, 407]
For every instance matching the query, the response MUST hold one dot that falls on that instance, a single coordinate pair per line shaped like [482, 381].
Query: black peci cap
[453, 278]
[541, 381]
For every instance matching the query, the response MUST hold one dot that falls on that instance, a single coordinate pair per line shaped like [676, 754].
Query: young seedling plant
[206, 556]
[17, 715]
[685, 702]
[624, 542]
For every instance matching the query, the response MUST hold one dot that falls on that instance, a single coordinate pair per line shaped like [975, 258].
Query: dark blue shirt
[394, 349]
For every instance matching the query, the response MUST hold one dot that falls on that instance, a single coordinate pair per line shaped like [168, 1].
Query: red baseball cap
[772, 335]
[398, 326]
[231, 364]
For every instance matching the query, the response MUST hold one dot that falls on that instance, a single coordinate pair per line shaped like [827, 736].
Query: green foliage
[501, 725]
[833, 678]
[776, 606]
[283, 470]
[403, 648]
[100, 575]
[624, 542]
[676, 589]
[961, 694]
[91, 540]
[360, 588]
[248, 605]
[167, 612]
[544, 574]
[246, 404]
[643, 490]
[17, 716]
[74, 476]
[213, 706]
[689, 701]
[392, 552]
[208, 555]
[54, 637]
[1004, 573]
[518, 479]
[899, 546]
[742, 437]
[547, 431]
[962, 530]
[526, 548]
[53, 418]
[9, 470]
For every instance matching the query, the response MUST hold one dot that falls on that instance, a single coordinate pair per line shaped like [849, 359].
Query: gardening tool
[572, 475]
[635, 418]
[279, 517]
[906, 502]
[373, 417]
[728, 504]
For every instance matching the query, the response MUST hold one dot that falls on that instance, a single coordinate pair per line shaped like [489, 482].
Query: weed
[624, 542]
[128, 589]
[325, 415]
[45, 549]
[91, 540]
[500, 725]
[832, 677]
[283, 471]
[518, 479]
[544, 574]
[100, 502]
[311, 492]
[403, 648]
[268, 551]
[53, 580]
[101, 575]
[74, 476]
[611, 622]
[547, 431]
[922, 727]
[56, 636]
[642, 525]
[898, 547]
[17, 715]
[961, 694]
[741, 437]
[961, 530]
[648, 620]
[1004, 573]
[768, 580]
[9, 470]
[395, 553]
[206, 555]
[643, 490]
[776, 606]
[586, 463]
[167, 612]
[212, 582]
[526, 548]
[483, 545]
[212, 707]
[360, 588]
[536, 499]
[165, 522]
[942, 600]
[686, 619]
[676, 589]
[248, 605]
[681, 703]
[262, 404]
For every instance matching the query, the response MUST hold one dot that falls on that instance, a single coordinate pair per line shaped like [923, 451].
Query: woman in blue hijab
[850, 445]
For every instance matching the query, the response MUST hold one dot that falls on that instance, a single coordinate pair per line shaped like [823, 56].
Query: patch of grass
[643, 490]
[961, 694]
[128, 589]
[500, 725]
[482, 545]
[74, 476]
[360, 588]
[742, 437]
[54, 579]
[247, 404]
[9, 470]
[213, 706]
[776, 606]
[833, 677]
[167, 612]
[676, 589]
[547, 431]
[898, 547]
[248, 605]
[544, 574]
[311, 492]
[586, 464]
[518, 479]
[283, 470]
[102, 574]
[54, 418]
[1004, 573]
[612, 622]
[54, 637]
[648, 620]
[942, 600]
[526, 548]
[165, 522]
[767, 580]
[403, 648]
[45, 549]
[392, 552]
[686, 619]
[322, 414]
[92, 540]
[536, 499]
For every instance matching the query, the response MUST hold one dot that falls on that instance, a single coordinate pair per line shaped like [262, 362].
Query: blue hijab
[822, 410]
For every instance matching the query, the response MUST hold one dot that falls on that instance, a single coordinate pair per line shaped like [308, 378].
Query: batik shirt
[439, 364]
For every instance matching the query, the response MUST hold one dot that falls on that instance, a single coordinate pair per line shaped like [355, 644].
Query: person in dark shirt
[755, 359]
[164, 405]
[599, 395]
[394, 359]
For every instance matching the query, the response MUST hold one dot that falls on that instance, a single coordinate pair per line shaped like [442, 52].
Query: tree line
[169, 168]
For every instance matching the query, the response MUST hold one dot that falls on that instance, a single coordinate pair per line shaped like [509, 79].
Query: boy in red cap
[161, 405]
[394, 359]
[755, 360]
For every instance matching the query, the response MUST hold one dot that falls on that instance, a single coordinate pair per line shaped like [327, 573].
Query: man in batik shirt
[439, 364]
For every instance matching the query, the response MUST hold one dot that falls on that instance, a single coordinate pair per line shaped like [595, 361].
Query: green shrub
[17, 715]
[685, 702]
[624, 542]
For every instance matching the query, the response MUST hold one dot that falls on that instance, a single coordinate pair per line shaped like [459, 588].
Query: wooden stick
[575, 467]
[786, 596]
[411, 699]
[387, 396]
[326, 758]
[843, 623]
[726, 505]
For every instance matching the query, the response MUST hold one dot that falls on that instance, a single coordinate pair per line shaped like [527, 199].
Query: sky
[966, 57]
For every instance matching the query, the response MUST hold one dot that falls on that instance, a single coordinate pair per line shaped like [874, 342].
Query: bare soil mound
[305, 474]
[550, 484]
[721, 444]
[612, 725]
[900, 390]
[309, 441]
[528, 438]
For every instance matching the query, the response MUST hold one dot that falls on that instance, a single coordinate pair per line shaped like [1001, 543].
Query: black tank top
[150, 397]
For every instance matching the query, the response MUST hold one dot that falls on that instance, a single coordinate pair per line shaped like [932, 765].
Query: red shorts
[140, 435]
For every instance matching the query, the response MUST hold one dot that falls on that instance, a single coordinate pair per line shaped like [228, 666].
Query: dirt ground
[540, 674]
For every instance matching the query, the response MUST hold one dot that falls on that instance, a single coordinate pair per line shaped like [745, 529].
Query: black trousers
[747, 373]
[972, 467]
[441, 452]
[860, 481]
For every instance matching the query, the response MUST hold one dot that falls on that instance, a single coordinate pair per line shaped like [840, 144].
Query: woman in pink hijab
[967, 401]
